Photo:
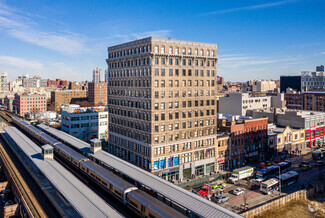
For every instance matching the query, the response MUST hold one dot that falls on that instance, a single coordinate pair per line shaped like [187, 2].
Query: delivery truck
[241, 173]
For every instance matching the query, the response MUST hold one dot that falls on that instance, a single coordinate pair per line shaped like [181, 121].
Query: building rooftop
[76, 109]
[79, 195]
[193, 202]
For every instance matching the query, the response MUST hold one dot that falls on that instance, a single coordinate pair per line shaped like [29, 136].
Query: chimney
[274, 115]
[95, 145]
[47, 151]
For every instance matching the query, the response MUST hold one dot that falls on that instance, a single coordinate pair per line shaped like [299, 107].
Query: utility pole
[279, 179]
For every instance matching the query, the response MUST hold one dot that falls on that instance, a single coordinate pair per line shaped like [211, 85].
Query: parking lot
[254, 197]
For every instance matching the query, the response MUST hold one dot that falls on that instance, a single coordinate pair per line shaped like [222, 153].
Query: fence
[299, 195]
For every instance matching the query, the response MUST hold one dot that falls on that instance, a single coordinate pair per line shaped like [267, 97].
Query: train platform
[72, 197]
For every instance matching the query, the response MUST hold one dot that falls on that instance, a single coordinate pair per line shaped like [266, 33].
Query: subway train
[138, 201]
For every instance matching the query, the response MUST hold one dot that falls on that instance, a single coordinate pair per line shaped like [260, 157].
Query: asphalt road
[255, 197]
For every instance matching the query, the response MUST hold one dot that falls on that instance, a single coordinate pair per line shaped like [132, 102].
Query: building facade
[162, 106]
[264, 86]
[312, 122]
[313, 80]
[223, 151]
[57, 83]
[97, 93]
[314, 101]
[85, 123]
[9, 102]
[35, 82]
[59, 98]
[286, 139]
[4, 83]
[248, 138]
[238, 103]
[30, 103]
[294, 101]
[293, 82]
[96, 75]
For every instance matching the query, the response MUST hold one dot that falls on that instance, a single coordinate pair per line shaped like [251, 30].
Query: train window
[133, 204]
[104, 183]
[98, 179]
[93, 175]
[151, 216]
[117, 192]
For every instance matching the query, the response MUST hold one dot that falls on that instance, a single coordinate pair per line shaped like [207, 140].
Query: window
[162, 60]
[184, 62]
[176, 50]
[170, 61]
[170, 50]
[163, 49]
[162, 106]
[156, 49]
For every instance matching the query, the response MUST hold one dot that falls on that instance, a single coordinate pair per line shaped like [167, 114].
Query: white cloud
[252, 7]
[20, 25]
[20, 64]
[322, 53]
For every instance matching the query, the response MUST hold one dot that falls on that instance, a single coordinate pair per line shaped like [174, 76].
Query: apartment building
[59, 98]
[238, 103]
[223, 151]
[294, 101]
[4, 83]
[312, 122]
[247, 138]
[286, 139]
[162, 100]
[9, 102]
[35, 82]
[314, 101]
[313, 80]
[29, 103]
[264, 86]
[97, 93]
[85, 123]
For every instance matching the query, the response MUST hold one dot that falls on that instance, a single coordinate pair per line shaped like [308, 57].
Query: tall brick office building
[162, 106]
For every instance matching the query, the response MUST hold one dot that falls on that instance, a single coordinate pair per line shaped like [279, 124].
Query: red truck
[205, 191]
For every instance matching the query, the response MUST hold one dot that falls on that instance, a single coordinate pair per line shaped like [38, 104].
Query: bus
[285, 166]
[318, 154]
[269, 186]
[267, 172]
[288, 178]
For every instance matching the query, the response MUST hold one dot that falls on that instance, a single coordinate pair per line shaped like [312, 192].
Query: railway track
[91, 184]
[35, 202]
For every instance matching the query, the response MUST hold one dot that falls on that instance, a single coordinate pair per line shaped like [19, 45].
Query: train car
[146, 206]
[117, 186]
[69, 154]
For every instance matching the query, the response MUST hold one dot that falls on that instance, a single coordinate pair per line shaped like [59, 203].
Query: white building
[4, 84]
[313, 80]
[85, 123]
[96, 75]
[264, 86]
[238, 103]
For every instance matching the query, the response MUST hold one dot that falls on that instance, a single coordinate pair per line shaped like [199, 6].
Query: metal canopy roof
[83, 199]
[191, 201]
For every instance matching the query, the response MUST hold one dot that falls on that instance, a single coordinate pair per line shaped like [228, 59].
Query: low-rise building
[312, 122]
[247, 138]
[9, 102]
[294, 101]
[85, 123]
[264, 86]
[285, 139]
[314, 100]
[223, 151]
[59, 98]
[30, 103]
[238, 103]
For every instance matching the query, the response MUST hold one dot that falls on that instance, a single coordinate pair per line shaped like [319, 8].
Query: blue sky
[257, 39]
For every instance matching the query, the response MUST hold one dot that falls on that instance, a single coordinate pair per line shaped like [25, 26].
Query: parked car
[303, 163]
[319, 163]
[221, 198]
[221, 185]
[305, 167]
[8, 203]
[239, 191]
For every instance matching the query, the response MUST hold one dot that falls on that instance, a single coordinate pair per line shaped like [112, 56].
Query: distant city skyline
[256, 39]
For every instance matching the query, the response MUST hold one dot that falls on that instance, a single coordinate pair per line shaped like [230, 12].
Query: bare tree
[245, 197]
